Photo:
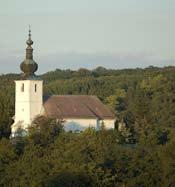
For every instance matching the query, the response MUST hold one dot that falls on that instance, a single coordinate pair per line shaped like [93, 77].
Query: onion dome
[29, 66]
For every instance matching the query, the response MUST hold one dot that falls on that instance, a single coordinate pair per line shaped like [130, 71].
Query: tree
[7, 157]
[44, 130]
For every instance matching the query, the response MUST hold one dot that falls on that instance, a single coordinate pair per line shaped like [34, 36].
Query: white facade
[75, 124]
[28, 103]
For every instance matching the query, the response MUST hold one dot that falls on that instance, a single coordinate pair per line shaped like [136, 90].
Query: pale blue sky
[88, 33]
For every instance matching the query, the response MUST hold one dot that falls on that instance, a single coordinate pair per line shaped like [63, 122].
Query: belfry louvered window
[35, 87]
[22, 87]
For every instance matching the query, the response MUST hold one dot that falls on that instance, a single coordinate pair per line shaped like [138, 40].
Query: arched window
[35, 87]
[22, 87]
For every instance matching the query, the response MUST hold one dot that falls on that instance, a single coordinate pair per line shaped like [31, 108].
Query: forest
[141, 155]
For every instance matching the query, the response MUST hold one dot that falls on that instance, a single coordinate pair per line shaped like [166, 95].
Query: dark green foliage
[167, 155]
[87, 159]
[7, 93]
[69, 179]
[44, 130]
[142, 155]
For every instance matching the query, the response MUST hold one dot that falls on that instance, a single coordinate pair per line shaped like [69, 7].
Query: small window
[35, 87]
[22, 87]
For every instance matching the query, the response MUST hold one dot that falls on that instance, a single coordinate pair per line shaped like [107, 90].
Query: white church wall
[22, 105]
[36, 99]
[109, 123]
[28, 102]
[82, 124]
[79, 124]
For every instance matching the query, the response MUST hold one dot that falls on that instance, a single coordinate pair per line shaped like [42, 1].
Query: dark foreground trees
[56, 158]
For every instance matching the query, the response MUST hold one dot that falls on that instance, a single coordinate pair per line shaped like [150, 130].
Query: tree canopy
[141, 155]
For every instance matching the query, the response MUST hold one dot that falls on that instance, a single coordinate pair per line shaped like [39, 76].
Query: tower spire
[29, 29]
[29, 49]
[29, 66]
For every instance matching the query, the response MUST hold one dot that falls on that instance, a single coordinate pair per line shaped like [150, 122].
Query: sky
[73, 34]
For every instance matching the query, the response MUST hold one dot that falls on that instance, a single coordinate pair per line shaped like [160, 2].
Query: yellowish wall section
[109, 123]
[82, 124]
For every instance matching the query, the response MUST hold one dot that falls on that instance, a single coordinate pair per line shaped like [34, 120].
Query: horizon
[91, 70]
[87, 34]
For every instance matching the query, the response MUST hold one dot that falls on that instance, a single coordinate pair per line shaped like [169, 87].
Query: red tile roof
[76, 106]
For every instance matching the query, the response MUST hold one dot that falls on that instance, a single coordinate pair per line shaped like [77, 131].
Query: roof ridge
[72, 95]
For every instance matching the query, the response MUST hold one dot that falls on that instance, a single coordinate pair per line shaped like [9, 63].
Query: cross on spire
[29, 31]
[29, 41]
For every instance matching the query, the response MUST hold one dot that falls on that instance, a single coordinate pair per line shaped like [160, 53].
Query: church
[77, 112]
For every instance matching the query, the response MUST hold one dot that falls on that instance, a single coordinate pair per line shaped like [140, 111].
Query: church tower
[28, 94]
